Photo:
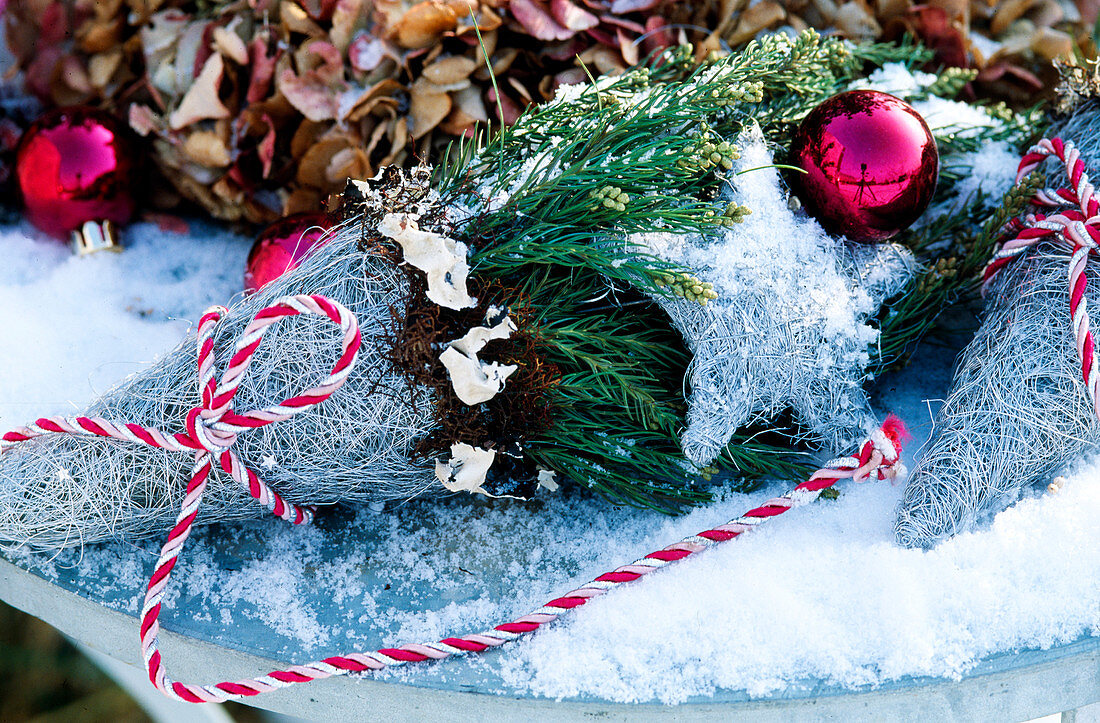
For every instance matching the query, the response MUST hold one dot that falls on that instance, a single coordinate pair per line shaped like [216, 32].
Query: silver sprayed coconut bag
[1018, 410]
[60, 490]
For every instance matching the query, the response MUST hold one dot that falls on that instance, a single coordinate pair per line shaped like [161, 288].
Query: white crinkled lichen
[442, 259]
[466, 470]
[475, 381]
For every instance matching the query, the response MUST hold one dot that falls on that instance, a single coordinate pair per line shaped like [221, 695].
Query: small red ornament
[282, 246]
[870, 163]
[76, 165]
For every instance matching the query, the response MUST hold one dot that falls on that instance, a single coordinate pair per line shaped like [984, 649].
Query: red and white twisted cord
[212, 429]
[1077, 227]
[878, 459]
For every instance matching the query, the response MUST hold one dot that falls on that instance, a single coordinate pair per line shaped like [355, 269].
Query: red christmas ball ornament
[870, 163]
[75, 166]
[282, 246]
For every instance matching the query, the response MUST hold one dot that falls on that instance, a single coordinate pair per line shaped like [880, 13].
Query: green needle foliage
[550, 201]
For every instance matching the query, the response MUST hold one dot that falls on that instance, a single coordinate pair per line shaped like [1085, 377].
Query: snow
[940, 113]
[990, 170]
[820, 593]
[77, 325]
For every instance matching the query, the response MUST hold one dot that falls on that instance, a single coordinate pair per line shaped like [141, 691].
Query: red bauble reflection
[75, 165]
[871, 165]
[282, 246]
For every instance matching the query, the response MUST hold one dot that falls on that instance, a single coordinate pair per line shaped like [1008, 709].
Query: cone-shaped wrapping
[60, 490]
[1018, 409]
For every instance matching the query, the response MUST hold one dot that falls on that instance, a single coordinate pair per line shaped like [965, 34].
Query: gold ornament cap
[95, 236]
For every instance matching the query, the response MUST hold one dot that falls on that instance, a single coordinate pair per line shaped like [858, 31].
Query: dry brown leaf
[604, 59]
[627, 47]
[191, 53]
[366, 52]
[161, 33]
[230, 192]
[727, 15]
[73, 75]
[958, 11]
[1008, 12]
[102, 67]
[347, 163]
[143, 9]
[469, 102]
[303, 200]
[398, 136]
[797, 24]
[485, 20]
[521, 90]
[485, 48]
[316, 91]
[376, 136]
[887, 10]
[463, 9]
[424, 24]
[346, 18]
[374, 95]
[449, 70]
[857, 22]
[536, 19]
[306, 136]
[577, 18]
[458, 123]
[1049, 44]
[144, 121]
[756, 18]
[201, 100]
[296, 20]
[1048, 14]
[262, 68]
[426, 110]
[99, 35]
[313, 167]
[230, 45]
[206, 149]
[501, 63]
[101, 9]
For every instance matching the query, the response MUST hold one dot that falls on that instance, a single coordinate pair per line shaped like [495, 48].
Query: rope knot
[880, 456]
[204, 432]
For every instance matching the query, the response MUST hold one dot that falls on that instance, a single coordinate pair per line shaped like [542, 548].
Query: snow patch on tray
[77, 325]
[828, 596]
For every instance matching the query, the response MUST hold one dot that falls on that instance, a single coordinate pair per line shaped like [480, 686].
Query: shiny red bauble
[870, 165]
[75, 165]
[282, 246]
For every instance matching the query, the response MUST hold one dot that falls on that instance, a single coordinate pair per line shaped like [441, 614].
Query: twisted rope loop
[878, 458]
[1077, 227]
[212, 428]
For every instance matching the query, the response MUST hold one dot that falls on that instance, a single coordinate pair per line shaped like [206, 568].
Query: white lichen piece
[465, 471]
[476, 338]
[548, 479]
[442, 259]
[473, 380]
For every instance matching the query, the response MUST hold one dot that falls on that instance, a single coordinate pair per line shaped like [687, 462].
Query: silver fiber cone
[1018, 410]
[59, 491]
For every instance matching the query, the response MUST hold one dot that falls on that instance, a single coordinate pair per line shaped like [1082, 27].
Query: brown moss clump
[419, 333]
